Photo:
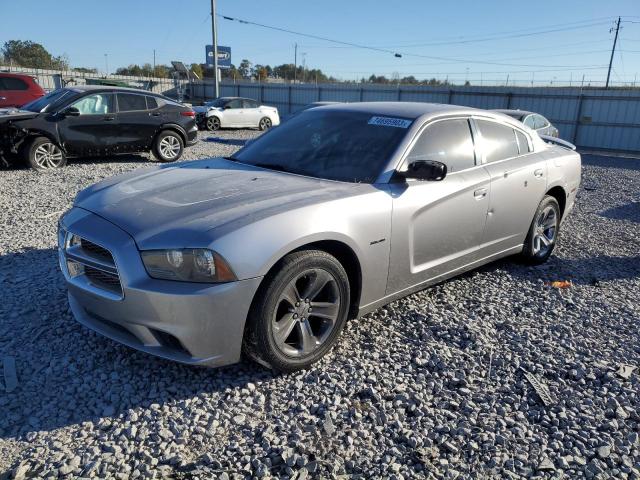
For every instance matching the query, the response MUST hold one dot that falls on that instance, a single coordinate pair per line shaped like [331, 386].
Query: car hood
[12, 114]
[196, 202]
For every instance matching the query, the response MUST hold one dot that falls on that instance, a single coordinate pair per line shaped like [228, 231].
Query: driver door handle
[109, 118]
[3, 98]
[155, 114]
[480, 193]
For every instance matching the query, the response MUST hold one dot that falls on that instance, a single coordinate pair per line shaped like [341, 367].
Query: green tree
[197, 69]
[32, 55]
[245, 69]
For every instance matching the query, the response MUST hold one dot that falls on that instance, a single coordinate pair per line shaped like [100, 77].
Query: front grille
[97, 250]
[104, 280]
[91, 265]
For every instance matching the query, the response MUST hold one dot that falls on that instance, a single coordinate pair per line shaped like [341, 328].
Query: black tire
[264, 124]
[260, 339]
[168, 146]
[42, 154]
[212, 123]
[543, 226]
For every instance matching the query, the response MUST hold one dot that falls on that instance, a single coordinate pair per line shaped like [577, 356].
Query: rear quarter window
[152, 103]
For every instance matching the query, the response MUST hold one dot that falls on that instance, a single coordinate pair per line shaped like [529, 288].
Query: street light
[106, 63]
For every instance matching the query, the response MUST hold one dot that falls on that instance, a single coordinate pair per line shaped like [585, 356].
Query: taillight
[189, 113]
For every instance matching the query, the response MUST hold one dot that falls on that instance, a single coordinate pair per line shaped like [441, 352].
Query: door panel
[136, 125]
[91, 131]
[437, 226]
[233, 114]
[252, 114]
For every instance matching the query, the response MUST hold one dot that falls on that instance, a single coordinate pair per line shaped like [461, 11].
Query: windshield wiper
[231, 159]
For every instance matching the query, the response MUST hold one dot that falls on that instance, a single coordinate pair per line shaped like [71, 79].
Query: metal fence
[590, 118]
[593, 119]
[54, 79]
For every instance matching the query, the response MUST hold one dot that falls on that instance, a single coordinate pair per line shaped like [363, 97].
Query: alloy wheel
[265, 123]
[170, 147]
[546, 228]
[48, 155]
[213, 123]
[306, 313]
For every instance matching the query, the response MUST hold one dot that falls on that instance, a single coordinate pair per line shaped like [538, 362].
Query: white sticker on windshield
[389, 122]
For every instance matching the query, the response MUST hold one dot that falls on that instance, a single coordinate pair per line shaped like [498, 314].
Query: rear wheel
[213, 123]
[43, 154]
[298, 315]
[168, 146]
[265, 123]
[543, 232]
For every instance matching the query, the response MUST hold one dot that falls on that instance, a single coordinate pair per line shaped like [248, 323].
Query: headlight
[187, 265]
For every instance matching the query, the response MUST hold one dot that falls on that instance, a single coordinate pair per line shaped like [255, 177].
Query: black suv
[95, 120]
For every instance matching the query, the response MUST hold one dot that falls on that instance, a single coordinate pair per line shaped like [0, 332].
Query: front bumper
[192, 323]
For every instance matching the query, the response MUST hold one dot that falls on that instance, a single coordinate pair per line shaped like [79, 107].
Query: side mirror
[226, 107]
[426, 170]
[71, 112]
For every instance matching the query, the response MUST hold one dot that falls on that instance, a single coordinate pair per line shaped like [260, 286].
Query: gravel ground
[432, 385]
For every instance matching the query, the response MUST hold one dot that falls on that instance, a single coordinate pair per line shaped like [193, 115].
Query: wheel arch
[560, 195]
[343, 253]
[172, 127]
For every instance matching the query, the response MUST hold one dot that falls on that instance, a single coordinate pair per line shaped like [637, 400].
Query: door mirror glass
[426, 170]
[71, 112]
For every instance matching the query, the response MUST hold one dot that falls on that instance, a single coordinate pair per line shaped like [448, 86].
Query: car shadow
[629, 211]
[611, 162]
[580, 271]
[227, 141]
[67, 374]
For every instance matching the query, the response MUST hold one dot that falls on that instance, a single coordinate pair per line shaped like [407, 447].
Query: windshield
[44, 104]
[336, 145]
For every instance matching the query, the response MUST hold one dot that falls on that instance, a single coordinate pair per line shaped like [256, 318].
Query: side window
[523, 144]
[447, 141]
[11, 83]
[249, 104]
[97, 104]
[540, 122]
[529, 121]
[234, 104]
[498, 141]
[130, 102]
[152, 103]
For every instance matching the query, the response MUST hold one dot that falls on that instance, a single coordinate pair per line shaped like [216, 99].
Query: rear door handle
[539, 173]
[480, 193]
[156, 114]
[109, 119]
[3, 98]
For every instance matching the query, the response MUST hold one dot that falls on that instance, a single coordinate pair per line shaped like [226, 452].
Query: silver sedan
[335, 213]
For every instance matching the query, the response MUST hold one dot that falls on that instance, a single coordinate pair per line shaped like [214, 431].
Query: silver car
[335, 213]
[533, 120]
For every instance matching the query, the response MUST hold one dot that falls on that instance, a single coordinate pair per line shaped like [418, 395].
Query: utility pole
[214, 35]
[106, 62]
[295, 61]
[613, 51]
[154, 62]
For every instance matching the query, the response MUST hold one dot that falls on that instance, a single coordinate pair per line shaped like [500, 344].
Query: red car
[17, 90]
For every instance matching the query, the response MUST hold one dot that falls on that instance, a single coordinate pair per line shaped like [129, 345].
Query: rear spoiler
[558, 141]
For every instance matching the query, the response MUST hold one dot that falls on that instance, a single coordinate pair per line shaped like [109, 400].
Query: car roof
[15, 75]
[107, 88]
[402, 109]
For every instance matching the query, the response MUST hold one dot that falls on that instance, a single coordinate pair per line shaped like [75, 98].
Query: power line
[393, 52]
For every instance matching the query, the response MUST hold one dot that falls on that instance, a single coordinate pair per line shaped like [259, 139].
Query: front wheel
[297, 316]
[43, 154]
[265, 124]
[213, 123]
[168, 146]
[543, 232]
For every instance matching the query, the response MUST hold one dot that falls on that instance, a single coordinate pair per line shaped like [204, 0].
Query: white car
[236, 112]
